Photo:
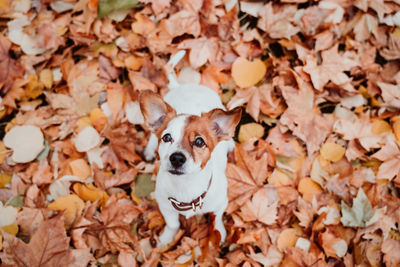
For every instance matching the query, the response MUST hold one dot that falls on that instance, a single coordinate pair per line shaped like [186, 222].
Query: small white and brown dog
[193, 132]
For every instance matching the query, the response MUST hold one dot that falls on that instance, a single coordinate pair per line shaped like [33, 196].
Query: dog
[193, 132]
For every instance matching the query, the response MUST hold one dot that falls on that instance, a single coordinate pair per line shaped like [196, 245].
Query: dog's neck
[186, 187]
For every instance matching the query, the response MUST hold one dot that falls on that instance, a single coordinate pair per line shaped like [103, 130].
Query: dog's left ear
[155, 110]
[224, 122]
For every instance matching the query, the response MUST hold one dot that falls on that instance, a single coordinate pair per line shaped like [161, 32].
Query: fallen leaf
[88, 138]
[26, 141]
[360, 214]
[287, 238]
[105, 7]
[247, 73]
[11, 69]
[330, 69]
[262, 207]
[332, 151]
[71, 204]
[250, 131]
[9, 215]
[272, 258]
[333, 246]
[309, 189]
[143, 185]
[49, 246]
[80, 168]
[88, 192]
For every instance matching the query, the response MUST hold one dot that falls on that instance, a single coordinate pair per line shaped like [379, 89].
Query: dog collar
[184, 206]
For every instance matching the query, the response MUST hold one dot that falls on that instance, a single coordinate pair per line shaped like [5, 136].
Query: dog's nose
[177, 159]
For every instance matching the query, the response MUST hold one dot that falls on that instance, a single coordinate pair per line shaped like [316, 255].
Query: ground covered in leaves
[314, 179]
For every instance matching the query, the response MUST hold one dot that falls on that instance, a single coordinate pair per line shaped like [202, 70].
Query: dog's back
[192, 99]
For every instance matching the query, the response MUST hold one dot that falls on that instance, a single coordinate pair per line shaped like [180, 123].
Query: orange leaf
[89, 192]
[72, 206]
[247, 73]
[80, 168]
[287, 238]
[308, 188]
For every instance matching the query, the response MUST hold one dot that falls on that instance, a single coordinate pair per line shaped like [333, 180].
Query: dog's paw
[166, 237]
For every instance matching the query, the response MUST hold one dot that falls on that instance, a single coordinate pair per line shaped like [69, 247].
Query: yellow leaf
[12, 229]
[96, 114]
[5, 179]
[247, 73]
[80, 168]
[98, 119]
[135, 198]
[380, 126]
[89, 192]
[82, 123]
[332, 151]
[71, 204]
[308, 188]
[34, 88]
[250, 130]
[46, 77]
[279, 178]
[287, 238]
[3, 151]
[396, 32]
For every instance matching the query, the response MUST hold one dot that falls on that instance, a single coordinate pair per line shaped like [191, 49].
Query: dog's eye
[167, 138]
[199, 142]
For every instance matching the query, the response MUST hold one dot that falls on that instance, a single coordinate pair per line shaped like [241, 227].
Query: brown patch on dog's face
[199, 139]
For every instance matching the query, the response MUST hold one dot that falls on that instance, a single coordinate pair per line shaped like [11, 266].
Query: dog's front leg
[219, 224]
[171, 228]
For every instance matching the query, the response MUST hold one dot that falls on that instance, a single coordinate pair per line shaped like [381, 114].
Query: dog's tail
[173, 81]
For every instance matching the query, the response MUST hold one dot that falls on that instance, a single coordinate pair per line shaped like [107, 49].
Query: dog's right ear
[155, 110]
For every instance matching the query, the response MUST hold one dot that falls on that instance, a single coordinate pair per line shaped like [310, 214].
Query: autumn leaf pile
[315, 176]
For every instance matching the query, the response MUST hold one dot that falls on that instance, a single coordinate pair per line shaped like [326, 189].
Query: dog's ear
[155, 110]
[224, 122]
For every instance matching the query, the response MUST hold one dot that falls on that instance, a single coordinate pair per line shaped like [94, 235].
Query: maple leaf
[258, 99]
[245, 177]
[48, 246]
[277, 22]
[360, 214]
[330, 69]
[201, 50]
[390, 155]
[263, 207]
[122, 141]
[10, 68]
[304, 119]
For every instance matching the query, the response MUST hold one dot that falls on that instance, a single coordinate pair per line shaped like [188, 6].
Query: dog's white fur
[189, 99]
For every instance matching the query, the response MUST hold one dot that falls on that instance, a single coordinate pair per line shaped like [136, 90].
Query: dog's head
[186, 141]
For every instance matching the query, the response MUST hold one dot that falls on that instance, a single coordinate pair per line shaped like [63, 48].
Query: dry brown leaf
[49, 246]
[11, 69]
